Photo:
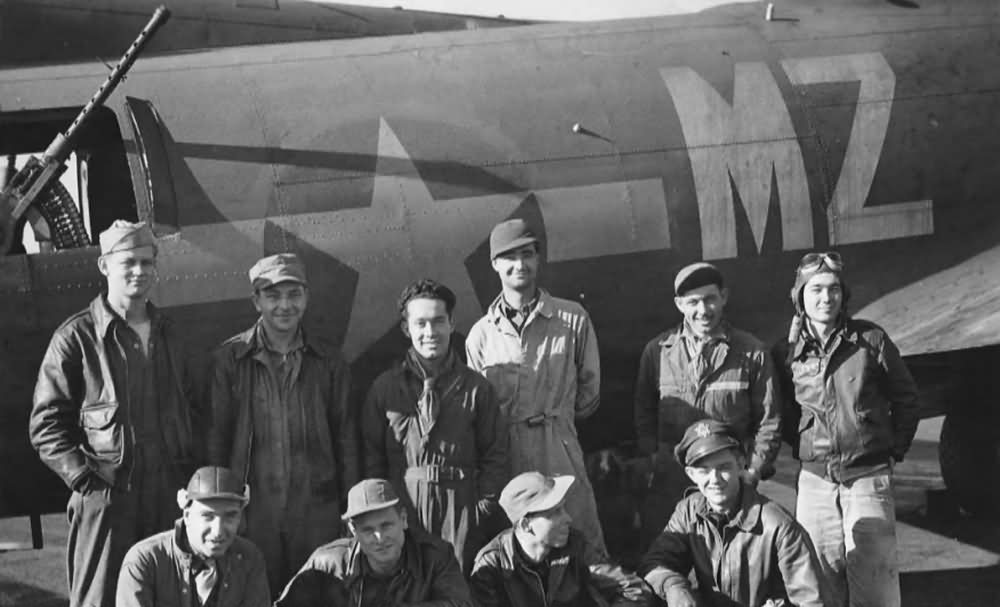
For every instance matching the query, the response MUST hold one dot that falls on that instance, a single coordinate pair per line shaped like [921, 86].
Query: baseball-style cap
[283, 267]
[704, 438]
[510, 235]
[696, 275]
[530, 492]
[369, 495]
[125, 235]
[216, 482]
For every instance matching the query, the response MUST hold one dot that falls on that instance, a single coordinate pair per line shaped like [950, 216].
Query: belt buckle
[535, 420]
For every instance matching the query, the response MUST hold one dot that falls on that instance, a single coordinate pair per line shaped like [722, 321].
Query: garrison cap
[703, 438]
[696, 275]
[216, 482]
[124, 235]
[530, 492]
[275, 269]
[369, 495]
[509, 235]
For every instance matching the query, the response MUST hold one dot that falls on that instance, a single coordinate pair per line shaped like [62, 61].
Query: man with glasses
[702, 368]
[851, 413]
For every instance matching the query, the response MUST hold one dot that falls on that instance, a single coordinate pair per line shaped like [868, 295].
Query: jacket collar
[546, 306]
[104, 316]
[357, 566]
[747, 517]
[724, 333]
[511, 558]
[249, 342]
[846, 331]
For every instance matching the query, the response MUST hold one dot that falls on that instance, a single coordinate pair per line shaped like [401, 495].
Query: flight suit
[283, 422]
[546, 377]
[453, 468]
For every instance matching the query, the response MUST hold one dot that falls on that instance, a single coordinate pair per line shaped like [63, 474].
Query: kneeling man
[385, 563]
[743, 547]
[542, 560]
[201, 562]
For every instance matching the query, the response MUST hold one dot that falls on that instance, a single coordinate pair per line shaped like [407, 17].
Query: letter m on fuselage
[748, 146]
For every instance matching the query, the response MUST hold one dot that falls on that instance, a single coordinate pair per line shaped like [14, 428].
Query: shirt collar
[104, 316]
[250, 342]
[748, 514]
[545, 306]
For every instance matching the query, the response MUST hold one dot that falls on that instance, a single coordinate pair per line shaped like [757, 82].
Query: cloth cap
[703, 438]
[530, 492]
[510, 235]
[124, 235]
[283, 267]
[369, 495]
[696, 275]
[216, 482]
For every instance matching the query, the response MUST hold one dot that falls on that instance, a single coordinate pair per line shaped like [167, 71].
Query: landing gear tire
[969, 453]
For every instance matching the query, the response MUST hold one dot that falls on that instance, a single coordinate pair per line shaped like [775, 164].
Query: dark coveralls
[116, 424]
[283, 422]
[735, 383]
[453, 472]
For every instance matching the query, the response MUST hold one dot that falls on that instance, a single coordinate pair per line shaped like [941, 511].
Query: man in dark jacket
[282, 422]
[541, 560]
[744, 548]
[201, 562]
[385, 563]
[433, 426]
[852, 411]
[113, 416]
[702, 368]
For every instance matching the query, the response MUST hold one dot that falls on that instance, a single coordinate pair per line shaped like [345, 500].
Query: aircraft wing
[957, 308]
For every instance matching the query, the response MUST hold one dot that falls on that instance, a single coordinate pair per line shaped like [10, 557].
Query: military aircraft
[47, 31]
[641, 145]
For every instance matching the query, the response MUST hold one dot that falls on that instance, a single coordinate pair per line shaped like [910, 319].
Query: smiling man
[384, 563]
[851, 413]
[201, 562]
[702, 368]
[114, 416]
[433, 426]
[540, 353]
[281, 420]
[744, 549]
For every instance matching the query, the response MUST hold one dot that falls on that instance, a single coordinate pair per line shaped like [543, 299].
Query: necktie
[428, 406]
[205, 578]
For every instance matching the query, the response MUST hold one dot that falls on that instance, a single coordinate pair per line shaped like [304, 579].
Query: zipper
[541, 586]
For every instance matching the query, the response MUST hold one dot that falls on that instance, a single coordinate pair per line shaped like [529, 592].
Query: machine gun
[36, 185]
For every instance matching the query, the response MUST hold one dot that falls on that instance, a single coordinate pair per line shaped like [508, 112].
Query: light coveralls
[546, 377]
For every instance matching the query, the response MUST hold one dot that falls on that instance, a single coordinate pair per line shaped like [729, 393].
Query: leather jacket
[335, 575]
[156, 572]
[78, 421]
[502, 577]
[759, 553]
[850, 406]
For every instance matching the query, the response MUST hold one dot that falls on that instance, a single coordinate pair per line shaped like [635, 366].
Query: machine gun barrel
[32, 184]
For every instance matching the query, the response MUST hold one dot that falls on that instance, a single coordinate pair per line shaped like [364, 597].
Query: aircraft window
[96, 177]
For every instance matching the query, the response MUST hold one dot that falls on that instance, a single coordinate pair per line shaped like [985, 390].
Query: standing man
[384, 564]
[113, 416]
[433, 427]
[743, 548]
[540, 353]
[541, 560]
[851, 413]
[702, 368]
[201, 559]
[281, 421]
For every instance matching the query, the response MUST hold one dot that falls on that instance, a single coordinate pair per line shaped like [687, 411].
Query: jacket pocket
[103, 432]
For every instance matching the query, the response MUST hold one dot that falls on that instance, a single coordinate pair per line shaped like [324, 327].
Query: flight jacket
[78, 425]
[850, 407]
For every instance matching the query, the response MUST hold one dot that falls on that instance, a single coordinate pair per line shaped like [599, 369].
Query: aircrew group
[460, 479]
